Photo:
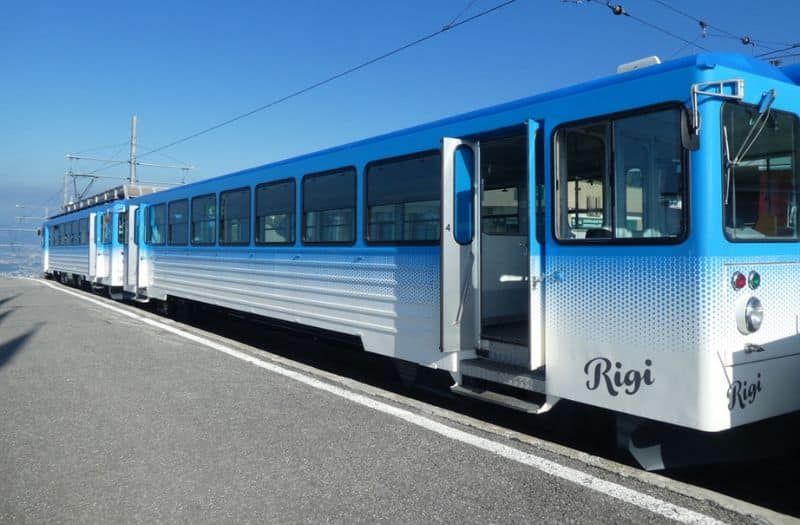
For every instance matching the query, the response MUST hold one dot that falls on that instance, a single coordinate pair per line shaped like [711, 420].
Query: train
[629, 243]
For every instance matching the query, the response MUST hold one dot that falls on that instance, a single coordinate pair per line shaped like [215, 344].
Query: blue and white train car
[87, 245]
[629, 243]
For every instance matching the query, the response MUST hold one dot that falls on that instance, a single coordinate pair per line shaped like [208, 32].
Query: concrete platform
[114, 417]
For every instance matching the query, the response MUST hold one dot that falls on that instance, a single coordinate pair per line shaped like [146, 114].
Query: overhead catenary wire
[461, 13]
[99, 148]
[744, 39]
[50, 199]
[789, 55]
[170, 157]
[680, 49]
[315, 85]
[111, 164]
[774, 51]
[619, 10]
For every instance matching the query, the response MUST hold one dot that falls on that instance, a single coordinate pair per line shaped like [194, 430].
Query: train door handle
[555, 275]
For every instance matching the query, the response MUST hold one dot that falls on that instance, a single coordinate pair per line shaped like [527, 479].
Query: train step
[496, 398]
[505, 374]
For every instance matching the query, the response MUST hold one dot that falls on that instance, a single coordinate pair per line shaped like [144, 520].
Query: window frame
[70, 233]
[389, 160]
[103, 230]
[136, 218]
[255, 215]
[83, 240]
[735, 240]
[186, 224]
[122, 228]
[192, 221]
[555, 211]
[148, 225]
[249, 218]
[308, 176]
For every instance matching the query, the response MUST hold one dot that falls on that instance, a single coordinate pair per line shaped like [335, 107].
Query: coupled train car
[628, 243]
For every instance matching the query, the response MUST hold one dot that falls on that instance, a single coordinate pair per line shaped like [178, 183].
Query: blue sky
[74, 72]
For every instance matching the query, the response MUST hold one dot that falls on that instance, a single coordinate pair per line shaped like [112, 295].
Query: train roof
[125, 191]
[793, 72]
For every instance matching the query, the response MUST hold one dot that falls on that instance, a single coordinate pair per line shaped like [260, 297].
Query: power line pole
[65, 200]
[132, 161]
[133, 150]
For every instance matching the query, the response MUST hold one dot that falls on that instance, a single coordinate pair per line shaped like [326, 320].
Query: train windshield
[760, 194]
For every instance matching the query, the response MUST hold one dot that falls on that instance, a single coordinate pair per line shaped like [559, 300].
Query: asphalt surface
[104, 419]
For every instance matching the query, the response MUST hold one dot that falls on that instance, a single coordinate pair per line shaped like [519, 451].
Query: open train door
[458, 286]
[132, 252]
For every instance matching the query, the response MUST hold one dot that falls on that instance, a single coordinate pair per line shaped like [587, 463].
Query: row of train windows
[76, 233]
[72, 233]
[402, 198]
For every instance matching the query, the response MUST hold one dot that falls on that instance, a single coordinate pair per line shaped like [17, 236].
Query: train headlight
[749, 315]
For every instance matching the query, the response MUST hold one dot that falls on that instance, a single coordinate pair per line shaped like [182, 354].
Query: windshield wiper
[764, 109]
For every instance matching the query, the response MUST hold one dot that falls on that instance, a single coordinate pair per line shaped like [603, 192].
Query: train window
[70, 233]
[403, 199]
[762, 192]
[234, 217]
[83, 234]
[329, 207]
[584, 179]
[204, 220]
[106, 228]
[275, 212]
[636, 194]
[178, 228]
[156, 224]
[122, 228]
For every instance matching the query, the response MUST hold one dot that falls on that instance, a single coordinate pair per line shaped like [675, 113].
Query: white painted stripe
[586, 480]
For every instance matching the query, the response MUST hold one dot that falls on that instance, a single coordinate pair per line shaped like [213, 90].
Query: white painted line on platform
[608, 488]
